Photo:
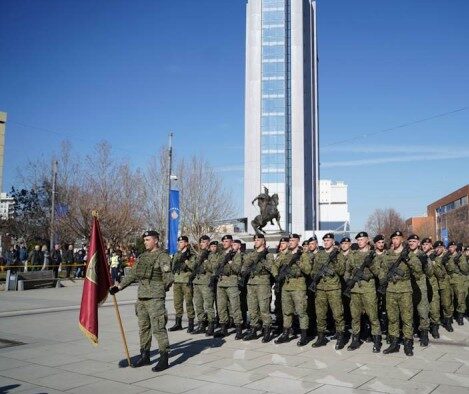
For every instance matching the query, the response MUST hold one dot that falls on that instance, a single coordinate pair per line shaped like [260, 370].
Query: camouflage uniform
[456, 271]
[259, 291]
[445, 287]
[420, 293]
[382, 314]
[434, 294]
[153, 272]
[203, 294]
[363, 294]
[227, 289]
[294, 297]
[399, 294]
[329, 293]
[181, 288]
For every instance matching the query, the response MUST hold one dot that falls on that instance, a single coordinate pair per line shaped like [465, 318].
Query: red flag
[96, 284]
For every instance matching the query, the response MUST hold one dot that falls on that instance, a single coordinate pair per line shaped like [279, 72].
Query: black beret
[284, 239]
[204, 238]
[336, 243]
[237, 241]
[228, 236]
[151, 233]
[426, 241]
[379, 237]
[328, 235]
[305, 242]
[312, 239]
[213, 243]
[294, 236]
[345, 239]
[258, 236]
[183, 238]
[361, 234]
[452, 243]
[396, 234]
[413, 236]
[438, 243]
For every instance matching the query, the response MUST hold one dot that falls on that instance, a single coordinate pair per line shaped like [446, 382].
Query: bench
[36, 279]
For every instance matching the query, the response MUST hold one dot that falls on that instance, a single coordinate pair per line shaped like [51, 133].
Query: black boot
[408, 347]
[447, 324]
[251, 334]
[266, 337]
[434, 331]
[223, 330]
[284, 337]
[201, 328]
[341, 341]
[177, 325]
[143, 360]
[231, 323]
[162, 363]
[394, 347]
[190, 326]
[424, 338]
[356, 343]
[239, 332]
[460, 319]
[303, 339]
[321, 341]
[377, 343]
[211, 329]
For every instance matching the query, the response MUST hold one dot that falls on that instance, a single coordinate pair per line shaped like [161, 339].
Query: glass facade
[275, 106]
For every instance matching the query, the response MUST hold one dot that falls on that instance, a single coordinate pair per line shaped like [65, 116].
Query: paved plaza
[43, 351]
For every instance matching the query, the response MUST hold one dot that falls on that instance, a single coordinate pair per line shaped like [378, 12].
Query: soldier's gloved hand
[113, 290]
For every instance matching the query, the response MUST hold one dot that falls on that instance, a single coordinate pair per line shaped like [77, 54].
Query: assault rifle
[445, 258]
[394, 270]
[214, 278]
[423, 257]
[285, 271]
[198, 265]
[325, 270]
[359, 273]
[251, 269]
[177, 267]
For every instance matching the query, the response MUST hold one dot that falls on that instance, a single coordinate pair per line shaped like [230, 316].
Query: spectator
[35, 259]
[115, 263]
[68, 259]
[56, 259]
[46, 258]
[23, 255]
[80, 261]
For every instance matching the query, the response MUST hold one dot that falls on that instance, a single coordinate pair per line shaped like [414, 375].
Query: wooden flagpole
[121, 329]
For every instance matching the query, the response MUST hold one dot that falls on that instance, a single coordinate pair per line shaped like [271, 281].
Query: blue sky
[131, 71]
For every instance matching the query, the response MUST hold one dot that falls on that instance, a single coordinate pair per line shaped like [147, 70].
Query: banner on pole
[173, 221]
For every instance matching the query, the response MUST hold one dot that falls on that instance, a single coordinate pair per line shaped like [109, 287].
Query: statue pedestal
[272, 239]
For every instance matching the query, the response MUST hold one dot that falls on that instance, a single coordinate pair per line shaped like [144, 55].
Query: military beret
[151, 233]
[426, 241]
[294, 236]
[413, 236]
[305, 243]
[258, 236]
[361, 234]
[183, 238]
[328, 235]
[452, 243]
[237, 241]
[396, 234]
[213, 243]
[228, 236]
[336, 243]
[379, 237]
[345, 239]
[204, 238]
[438, 243]
[284, 239]
[313, 239]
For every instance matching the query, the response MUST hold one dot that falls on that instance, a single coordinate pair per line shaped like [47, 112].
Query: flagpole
[116, 307]
[170, 167]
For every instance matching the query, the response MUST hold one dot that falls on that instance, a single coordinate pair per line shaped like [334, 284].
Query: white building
[333, 206]
[281, 110]
[7, 205]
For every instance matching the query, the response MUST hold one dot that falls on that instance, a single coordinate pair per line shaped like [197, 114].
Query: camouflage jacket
[298, 270]
[401, 283]
[152, 271]
[338, 266]
[183, 275]
[229, 278]
[260, 274]
[203, 272]
[367, 283]
[457, 270]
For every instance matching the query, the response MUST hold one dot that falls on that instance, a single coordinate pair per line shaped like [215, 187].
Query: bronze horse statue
[269, 212]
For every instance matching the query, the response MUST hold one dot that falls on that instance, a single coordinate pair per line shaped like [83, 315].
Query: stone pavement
[56, 357]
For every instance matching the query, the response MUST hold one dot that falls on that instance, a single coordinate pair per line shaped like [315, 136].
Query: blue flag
[173, 221]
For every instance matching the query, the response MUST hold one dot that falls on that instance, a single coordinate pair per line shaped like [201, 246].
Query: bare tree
[385, 221]
[457, 223]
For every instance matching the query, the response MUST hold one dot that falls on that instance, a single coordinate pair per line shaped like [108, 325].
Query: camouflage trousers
[203, 302]
[423, 306]
[333, 299]
[458, 293]
[295, 302]
[446, 302]
[228, 304]
[152, 318]
[259, 304]
[435, 305]
[181, 292]
[400, 309]
[367, 302]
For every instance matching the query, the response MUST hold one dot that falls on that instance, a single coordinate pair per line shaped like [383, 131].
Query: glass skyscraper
[281, 130]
